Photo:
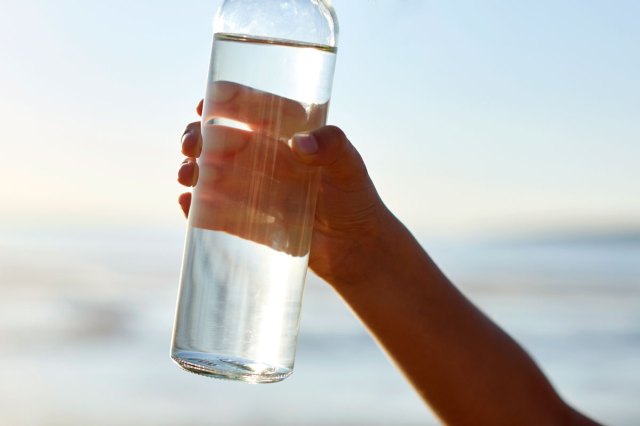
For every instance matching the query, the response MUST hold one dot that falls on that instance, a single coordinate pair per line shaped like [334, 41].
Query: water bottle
[253, 205]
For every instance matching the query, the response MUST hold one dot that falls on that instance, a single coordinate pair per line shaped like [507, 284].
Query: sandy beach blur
[86, 318]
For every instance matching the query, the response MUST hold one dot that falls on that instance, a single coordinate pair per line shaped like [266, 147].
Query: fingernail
[305, 143]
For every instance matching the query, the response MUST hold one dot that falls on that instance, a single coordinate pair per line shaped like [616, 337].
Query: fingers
[224, 141]
[188, 172]
[191, 147]
[185, 203]
[192, 140]
[261, 111]
[329, 148]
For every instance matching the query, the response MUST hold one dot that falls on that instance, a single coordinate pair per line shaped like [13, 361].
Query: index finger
[259, 111]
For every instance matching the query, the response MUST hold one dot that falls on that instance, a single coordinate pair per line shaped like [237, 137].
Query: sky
[472, 117]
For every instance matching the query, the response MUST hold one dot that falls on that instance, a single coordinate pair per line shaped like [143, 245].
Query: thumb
[329, 148]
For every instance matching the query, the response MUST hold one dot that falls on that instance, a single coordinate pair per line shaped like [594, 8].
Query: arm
[463, 365]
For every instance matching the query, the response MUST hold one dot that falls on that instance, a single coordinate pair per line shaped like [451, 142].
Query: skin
[464, 366]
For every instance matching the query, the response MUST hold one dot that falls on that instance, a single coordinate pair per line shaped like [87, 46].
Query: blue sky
[472, 117]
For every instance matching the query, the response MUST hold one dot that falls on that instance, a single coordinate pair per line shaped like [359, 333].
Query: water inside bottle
[239, 308]
[252, 212]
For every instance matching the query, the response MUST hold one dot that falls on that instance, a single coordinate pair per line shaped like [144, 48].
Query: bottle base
[230, 368]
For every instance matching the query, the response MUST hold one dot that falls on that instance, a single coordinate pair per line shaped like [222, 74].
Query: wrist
[371, 254]
[348, 254]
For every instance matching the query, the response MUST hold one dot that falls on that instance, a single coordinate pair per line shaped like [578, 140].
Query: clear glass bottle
[253, 205]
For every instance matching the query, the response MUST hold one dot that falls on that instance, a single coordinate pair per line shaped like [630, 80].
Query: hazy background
[505, 135]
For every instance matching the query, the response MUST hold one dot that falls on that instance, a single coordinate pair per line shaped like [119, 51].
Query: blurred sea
[86, 317]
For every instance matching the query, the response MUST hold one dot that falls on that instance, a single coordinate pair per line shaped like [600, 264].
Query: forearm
[461, 363]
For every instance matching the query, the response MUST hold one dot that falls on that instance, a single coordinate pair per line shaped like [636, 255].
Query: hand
[349, 213]
[460, 362]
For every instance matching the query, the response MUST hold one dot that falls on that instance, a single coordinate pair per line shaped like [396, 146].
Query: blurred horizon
[86, 324]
